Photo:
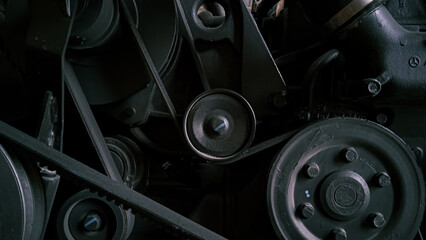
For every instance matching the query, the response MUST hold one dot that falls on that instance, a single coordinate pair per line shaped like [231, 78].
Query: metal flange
[346, 178]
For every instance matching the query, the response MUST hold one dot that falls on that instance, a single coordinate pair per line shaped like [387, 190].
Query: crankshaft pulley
[346, 179]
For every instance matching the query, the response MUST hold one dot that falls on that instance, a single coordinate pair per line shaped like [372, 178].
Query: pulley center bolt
[338, 234]
[349, 154]
[344, 195]
[218, 125]
[92, 222]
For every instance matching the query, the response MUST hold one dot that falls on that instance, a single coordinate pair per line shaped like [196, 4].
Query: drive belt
[96, 181]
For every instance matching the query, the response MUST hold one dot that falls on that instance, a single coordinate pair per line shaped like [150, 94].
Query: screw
[312, 170]
[130, 112]
[383, 179]
[218, 125]
[306, 210]
[349, 154]
[418, 151]
[92, 222]
[373, 87]
[338, 234]
[382, 118]
[377, 220]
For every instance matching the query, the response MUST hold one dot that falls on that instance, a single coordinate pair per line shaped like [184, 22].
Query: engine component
[346, 177]
[23, 207]
[129, 159]
[85, 215]
[95, 24]
[192, 97]
[219, 125]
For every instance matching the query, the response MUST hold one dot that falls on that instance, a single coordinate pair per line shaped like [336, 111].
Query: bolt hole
[211, 14]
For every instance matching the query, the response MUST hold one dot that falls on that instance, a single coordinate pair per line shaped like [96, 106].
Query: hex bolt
[382, 179]
[349, 154]
[130, 112]
[306, 210]
[338, 234]
[377, 220]
[373, 87]
[312, 170]
[382, 118]
[92, 222]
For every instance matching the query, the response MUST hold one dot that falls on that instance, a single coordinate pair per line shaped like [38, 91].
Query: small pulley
[129, 159]
[219, 125]
[346, 179]
[86, 215]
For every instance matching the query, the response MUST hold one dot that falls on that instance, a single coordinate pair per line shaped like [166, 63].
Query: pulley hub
[219, 125]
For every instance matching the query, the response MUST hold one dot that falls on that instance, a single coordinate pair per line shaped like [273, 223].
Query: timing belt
[96, 181]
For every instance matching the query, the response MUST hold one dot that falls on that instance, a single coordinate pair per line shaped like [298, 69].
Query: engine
[212, 119]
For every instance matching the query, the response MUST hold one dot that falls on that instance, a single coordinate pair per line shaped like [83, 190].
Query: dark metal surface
[353, 171]
[184, 103]
[104, 185]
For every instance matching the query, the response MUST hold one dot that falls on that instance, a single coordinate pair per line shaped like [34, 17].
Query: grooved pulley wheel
[346, 179]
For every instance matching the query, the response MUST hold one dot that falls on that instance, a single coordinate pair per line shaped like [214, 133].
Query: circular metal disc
[76, 221]
[346, 178]
[219, 125]
[21, 209]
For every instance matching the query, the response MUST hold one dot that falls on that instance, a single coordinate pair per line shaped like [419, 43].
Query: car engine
[212, 119]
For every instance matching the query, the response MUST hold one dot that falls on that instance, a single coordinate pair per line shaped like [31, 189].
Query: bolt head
[218, 125]
[377, 220]
[373, 87]
[312, 170]
[349, 154]
[383, 179]
[306, 210]
[92, 222]
[338, 234]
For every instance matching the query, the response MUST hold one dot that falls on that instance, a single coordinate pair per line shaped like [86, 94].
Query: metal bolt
[218, 125]
[130, 112]
[373, 87]
[383, 179]
[349, 154]
[312, 170]
[92, 222]
[338, 234]
[377, 220]
[382, 118]
[306, 210]
[418, 151]
[304, 115]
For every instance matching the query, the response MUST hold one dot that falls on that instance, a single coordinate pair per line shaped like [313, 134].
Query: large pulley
[346, 179]
[22, 210]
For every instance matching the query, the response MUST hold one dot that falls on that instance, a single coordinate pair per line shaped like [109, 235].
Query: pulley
[22, 209]
[219, 125]
[346, 179]
[86, 215]
[129, 159]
